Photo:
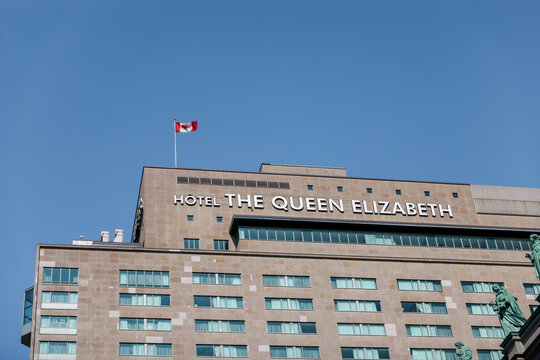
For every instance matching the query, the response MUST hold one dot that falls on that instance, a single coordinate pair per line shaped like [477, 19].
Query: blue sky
[420, 90]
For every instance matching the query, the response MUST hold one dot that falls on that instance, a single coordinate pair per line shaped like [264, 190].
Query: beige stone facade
[326, 200]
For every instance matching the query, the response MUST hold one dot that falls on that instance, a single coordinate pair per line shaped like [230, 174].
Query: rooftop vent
[118, 235]
[105, 236]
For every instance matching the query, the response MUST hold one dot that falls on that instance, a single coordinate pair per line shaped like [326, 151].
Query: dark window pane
[347, 353]
[205, 350]
[325, 236]
[308, 328]
[202, 301]
[253, 234]
[47, 275]
[56, 275]
[383, 353]
[64, 276]
[483, 243]
[262, 234]
[289, 235]
[239, 183]
[406, 240]
[408, 307]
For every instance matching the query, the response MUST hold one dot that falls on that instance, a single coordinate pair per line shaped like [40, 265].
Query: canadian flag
[181, 127]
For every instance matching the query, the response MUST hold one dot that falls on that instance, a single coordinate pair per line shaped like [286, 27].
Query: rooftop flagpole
[183, 128]
[174, 128]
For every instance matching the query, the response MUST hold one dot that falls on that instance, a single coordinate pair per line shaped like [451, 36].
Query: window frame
[191, 243]
[218, 244]
[50, 273]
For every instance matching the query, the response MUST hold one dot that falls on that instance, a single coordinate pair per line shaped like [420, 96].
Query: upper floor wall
[192, 203]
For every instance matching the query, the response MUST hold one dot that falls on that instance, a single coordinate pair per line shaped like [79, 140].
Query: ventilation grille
[232, 182]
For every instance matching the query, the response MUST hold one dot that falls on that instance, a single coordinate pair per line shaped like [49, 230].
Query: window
[59, 297]
[145, 300]
[364, 353]
[285, 327]
[310, 187]
[357, 305]
[427, 193]
[144, 278]
[419, 285]
[533, 289]
[57, 347]
[294, 352]
[439, 354]
[487, 332]
[233, 351]
[145, 349]
[221, 244]
[353, 283]
[145, 324]
[382, 238]
[28, 305]
[455, 195]
[480, 309]
[429, 330]
[490, 354]
[191, 243]
[218, 302]
[219, 219]
[59, 322]
[286, 280]
[217, 279]
[60, 276]
[288, 304]
[533, 308]
[340, 188]
[398, 192]
[361, 329]
[478, 286]
[424, 307]
[220, 326]
[369, 190]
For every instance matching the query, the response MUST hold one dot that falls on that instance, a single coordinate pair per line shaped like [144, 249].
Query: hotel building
[291, 262]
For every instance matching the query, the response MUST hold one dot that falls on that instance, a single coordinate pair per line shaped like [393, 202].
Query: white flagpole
[174, 128]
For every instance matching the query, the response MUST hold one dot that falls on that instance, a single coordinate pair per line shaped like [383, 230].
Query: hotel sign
[317, 204]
